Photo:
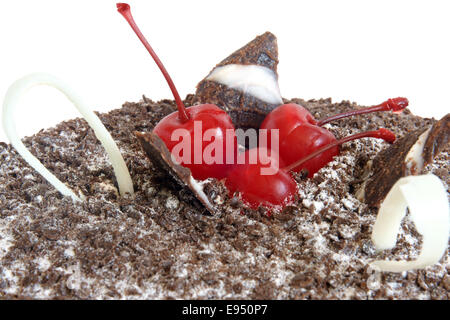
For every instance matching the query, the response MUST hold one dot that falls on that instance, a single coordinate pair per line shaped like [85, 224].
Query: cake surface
[161, 244]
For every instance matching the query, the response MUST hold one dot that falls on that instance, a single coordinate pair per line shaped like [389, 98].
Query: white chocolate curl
[426, 198]
[12, 98]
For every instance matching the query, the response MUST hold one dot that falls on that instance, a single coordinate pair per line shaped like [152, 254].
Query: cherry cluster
[304, 143]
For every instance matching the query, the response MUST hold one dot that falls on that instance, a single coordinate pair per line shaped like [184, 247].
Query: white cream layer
[258, 81]
[198, 186]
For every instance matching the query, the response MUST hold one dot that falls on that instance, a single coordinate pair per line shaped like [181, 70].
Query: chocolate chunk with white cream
[161, 157]
[408, 156]
[246, 83]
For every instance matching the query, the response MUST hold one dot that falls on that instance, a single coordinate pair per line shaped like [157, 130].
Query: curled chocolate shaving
[391, 164]
[245, 110]
[161, 157]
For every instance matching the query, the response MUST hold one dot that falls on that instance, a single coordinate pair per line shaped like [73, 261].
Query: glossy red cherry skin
[270, 191]
[304, 140]
[299, 136]
[211, 117]
[286, 118]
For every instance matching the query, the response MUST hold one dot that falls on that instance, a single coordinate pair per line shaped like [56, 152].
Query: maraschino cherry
[211, 118]
[300, 134]
[258, 189]
[278, 190]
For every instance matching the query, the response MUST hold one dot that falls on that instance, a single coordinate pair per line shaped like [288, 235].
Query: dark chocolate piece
[262, 51]
[437, 139]
[245, 110]
[158, 153]
[388, 166]
[391, 164]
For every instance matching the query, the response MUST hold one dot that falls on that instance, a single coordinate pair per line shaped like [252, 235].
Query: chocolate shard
[161, 157]
[437, 139]
[407, 156]
[246, 109]
[387, 167]
[263, 51]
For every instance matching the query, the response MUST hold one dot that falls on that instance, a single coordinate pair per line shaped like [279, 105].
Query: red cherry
[212, 118]
[316, 146]
[300, 134]
[304, 140]
[278, 190]
[257, 189]
[381, 133]
[286, 118]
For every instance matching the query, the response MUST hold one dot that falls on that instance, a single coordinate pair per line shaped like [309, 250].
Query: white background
[363, 51]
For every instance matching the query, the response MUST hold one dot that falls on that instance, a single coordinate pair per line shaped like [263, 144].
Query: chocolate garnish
[387, 167]
[246, 110]
[263, 51]
[161, 157]
[393, 163]
[437, 139]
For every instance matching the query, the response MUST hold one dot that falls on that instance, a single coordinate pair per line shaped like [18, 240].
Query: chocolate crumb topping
[161, 245]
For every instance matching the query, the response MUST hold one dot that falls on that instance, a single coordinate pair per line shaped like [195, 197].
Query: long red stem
[381, 133]
[395, 105]
[124, 10]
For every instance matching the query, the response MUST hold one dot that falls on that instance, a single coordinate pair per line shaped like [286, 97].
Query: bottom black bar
[221, 309]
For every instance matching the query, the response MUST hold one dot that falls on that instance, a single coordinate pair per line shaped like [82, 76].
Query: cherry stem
[395, 105]
[381, 133]
[124, 10]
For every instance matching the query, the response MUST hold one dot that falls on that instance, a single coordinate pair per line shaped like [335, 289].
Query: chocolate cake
[164, 244]
[140, 226]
